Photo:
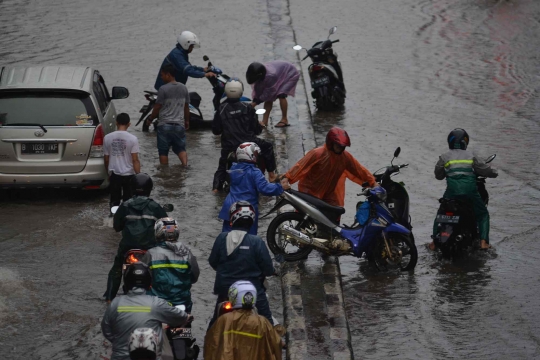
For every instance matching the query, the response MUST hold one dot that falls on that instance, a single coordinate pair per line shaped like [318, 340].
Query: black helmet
[255, 72]
[241, 215]
[141, 184]
[137, 275]
[458, 139]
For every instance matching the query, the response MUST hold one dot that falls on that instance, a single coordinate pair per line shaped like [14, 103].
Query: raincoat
[281, 78]
[242, 335]
[460, 168]
[137, 310]
[174, 269]
[179, 58]
[247, 181]
[322, 174]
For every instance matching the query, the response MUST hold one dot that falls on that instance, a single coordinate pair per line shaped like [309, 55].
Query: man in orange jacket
[322, 171]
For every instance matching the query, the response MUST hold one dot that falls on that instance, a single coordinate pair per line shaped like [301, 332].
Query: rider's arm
[108, 320]
[119, 219]
[482, 169]
[195, 272]
[302, 167]
[183, 65]
[217, 126]
[213, 260]
[358, 173]
[257, 127]
[264, 187]
[264, 260]
[440, 174]
[167, 314]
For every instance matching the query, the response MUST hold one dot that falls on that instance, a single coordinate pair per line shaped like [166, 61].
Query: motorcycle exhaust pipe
[301, 237]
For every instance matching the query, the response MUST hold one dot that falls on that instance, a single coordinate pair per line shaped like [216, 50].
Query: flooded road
[414, 70]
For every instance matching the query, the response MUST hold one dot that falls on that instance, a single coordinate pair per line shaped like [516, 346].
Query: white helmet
[187, 38]
[242, 294]
[234, 89]
[241, 211]
[248, 151]
[166, 229]
[143, 344]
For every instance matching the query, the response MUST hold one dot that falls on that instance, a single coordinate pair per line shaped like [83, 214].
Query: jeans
[171, 135]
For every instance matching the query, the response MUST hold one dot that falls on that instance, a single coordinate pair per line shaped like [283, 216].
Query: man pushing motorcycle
[323, 170]
[460, 167]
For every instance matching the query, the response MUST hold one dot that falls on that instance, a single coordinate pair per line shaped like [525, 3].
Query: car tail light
[316, 68]
[96, 150]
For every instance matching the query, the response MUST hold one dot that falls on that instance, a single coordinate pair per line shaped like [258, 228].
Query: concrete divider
[313, 305]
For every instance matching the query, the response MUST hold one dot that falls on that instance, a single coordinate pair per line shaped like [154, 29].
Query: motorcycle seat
[319, 204]
[151, 92]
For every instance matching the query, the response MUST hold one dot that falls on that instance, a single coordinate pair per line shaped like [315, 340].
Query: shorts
[282, 96]
[171, 135]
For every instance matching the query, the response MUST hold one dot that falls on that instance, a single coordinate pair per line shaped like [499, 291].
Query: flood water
[414, 70]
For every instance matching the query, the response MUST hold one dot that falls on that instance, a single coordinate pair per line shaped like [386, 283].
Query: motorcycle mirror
[168, 207]
[397, 152]
[205, 58]
[297, 47]
[491, 158]
[332, 30]
[114, 209]
[260, 111]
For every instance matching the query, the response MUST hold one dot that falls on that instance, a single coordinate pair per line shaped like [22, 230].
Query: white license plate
[39, 148]
[181, 333]
[448, 219]
[321, 81]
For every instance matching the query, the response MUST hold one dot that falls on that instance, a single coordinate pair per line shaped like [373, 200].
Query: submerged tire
[398, 242]
[279, 244]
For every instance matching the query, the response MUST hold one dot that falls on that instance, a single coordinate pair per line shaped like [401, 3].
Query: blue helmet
[458, 139]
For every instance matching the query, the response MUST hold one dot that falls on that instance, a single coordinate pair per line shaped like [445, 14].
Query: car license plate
[39, 148]
[320, 81]
[447, 219]
[181, 333]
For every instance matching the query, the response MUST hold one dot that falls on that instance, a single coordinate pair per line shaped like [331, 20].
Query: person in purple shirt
[270, 81]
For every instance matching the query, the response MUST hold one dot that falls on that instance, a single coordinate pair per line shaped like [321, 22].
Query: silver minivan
[52, 123]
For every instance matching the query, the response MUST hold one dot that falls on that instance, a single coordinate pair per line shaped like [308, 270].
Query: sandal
[282, 124]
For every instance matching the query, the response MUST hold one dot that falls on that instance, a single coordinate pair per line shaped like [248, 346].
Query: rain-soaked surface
[414, 70]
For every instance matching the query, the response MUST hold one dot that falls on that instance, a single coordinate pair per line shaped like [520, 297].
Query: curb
[311, 312]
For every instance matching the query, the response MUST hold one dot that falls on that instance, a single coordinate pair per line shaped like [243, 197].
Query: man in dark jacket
[237, 255]
[135, 218]
[174, 268]
[237, 123]
[179, 58]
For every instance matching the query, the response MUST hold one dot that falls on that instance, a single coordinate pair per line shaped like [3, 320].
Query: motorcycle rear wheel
[398, 242]
[278, 242]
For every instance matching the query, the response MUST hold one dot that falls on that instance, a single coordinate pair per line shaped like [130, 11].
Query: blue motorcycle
[315, 225]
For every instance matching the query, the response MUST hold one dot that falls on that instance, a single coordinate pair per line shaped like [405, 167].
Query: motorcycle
[457, 229]
[196, 120]
[386, 243]
[325, 74]
[182, 341]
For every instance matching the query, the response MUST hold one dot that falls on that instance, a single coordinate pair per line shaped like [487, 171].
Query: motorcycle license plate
[320, 81]
[181, 333]
[447, 219]
[39, 148]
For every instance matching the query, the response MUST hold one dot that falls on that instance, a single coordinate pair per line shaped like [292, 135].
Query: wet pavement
[414, 70]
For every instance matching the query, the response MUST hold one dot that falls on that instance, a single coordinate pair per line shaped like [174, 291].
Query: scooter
[182, 341]
[196, 120]
[386, 243]
[325, 74]
[457, 229]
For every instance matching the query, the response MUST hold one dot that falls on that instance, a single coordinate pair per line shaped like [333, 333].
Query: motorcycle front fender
[397, 228]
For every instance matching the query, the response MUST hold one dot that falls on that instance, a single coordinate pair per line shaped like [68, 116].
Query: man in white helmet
[237, 123]
[179, 58]
[242, 334]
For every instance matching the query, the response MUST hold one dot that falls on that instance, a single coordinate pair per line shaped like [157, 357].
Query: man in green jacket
[460, 167]
[172, 265]
[136, 219]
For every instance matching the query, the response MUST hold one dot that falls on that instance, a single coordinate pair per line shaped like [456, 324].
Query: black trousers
[267, 155]
[120, 189]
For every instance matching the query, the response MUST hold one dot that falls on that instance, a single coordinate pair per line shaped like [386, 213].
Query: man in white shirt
[121, 151]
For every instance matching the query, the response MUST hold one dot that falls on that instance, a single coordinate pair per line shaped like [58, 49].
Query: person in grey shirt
[138, 310]
[172, 110]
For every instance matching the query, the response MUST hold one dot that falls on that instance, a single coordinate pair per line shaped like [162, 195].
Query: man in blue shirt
[179, 58]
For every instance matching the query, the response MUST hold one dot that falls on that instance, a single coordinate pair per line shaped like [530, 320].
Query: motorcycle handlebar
[305, 57]
[335, 41]
[402, 166]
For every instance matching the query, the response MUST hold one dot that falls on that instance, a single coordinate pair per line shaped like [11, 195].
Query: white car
[52, 123]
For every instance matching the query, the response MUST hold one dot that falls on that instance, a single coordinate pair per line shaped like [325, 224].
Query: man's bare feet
[484, 245]
[431, 246]
[215, 191]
